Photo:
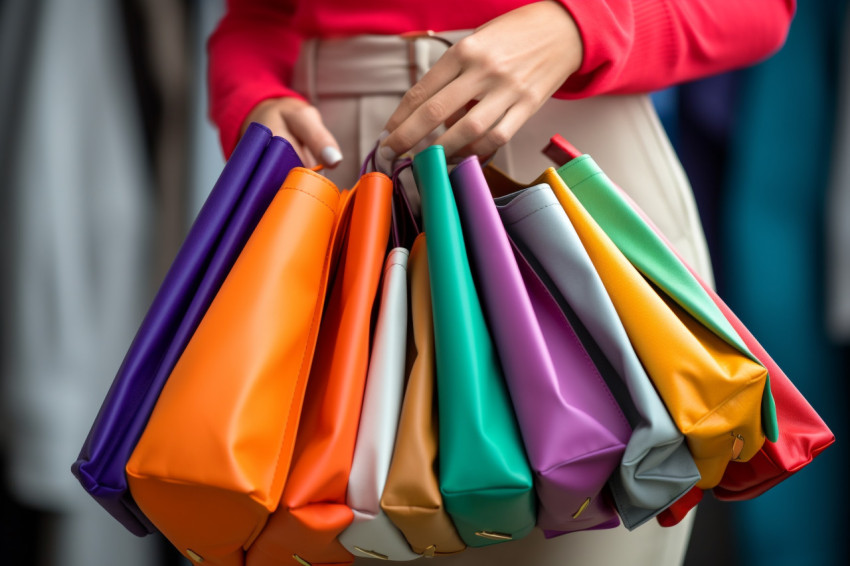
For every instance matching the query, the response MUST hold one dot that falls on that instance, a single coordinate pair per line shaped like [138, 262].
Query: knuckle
[498, 136]
[468, 50]
[473, 127]
[515, 83]
[415, 96]
[492, 66]
[402, 141]
[533, 96]
[294, 117]
[306, 112]
[433, 111]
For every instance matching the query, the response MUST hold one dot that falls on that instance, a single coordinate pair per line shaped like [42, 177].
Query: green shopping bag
[485, 478]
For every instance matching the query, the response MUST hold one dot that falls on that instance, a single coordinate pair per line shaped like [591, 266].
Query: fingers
[507, 65]
[465, 91]
[442, 73]
[501, 132]
[440, 95]
[300, 124]
[306, 125]
[480, 126]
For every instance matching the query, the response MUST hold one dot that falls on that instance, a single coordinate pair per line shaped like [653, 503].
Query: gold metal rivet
[301, 560]
[372, 553]
[737, 446]
[430, 551]
[194, 555]
[582, 508]
[493, 535]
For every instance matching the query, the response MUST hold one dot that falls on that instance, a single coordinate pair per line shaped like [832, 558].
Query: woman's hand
[485, 87]
[301, 125]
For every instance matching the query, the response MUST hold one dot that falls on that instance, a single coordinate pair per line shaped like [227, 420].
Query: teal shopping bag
[484, 475]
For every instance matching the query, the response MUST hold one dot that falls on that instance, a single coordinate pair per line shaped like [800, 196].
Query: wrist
[563, 26]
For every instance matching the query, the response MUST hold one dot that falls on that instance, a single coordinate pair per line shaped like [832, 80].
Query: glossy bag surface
[246, 186]
[655, 261]
[313, 510]
[573, 429]
[656, 467]
[371, 533]
[803, 435]
[485, 478]
[712, 390]
[411, 497]
[212, 462]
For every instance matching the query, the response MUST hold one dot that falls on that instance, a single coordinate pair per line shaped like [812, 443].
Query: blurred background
[106, 154]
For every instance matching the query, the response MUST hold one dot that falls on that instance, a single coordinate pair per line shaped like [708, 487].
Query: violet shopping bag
[656, 467]
[215, 455]
[485, 478]
[246, 186]
[573, 429]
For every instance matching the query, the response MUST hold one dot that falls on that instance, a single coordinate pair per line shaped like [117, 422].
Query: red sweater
[629, 46]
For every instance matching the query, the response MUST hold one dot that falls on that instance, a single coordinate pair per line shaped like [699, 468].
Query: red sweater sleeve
[251, 56]
[646, 45]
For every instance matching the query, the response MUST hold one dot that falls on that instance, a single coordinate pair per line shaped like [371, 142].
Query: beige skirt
[356, 84]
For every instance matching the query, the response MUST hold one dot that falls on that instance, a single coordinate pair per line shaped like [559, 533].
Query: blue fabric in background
[772, 252]
[757, 146]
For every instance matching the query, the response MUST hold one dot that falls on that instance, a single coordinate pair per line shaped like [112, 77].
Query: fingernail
[382, 136]
[330, 156]
[387, 153]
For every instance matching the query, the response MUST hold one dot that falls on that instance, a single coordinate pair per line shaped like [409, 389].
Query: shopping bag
[313, 510]
[371, 533]
[572, 427]
[803, 435]
[246, 186]
[485, 478]
[212, 461]
[712, 390]
[656, 467]
[411, 496]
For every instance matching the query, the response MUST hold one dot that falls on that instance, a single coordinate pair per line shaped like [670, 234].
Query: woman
[501, 76]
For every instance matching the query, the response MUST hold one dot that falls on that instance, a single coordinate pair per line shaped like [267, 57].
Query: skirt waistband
[368, 64]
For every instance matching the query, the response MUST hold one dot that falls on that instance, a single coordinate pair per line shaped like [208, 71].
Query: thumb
[306, 124]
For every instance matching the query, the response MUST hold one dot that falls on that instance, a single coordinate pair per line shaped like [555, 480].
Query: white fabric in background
[79, 197]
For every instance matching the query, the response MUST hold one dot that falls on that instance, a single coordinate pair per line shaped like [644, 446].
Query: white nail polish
[382, 136]
[330, 156]
[387, 153]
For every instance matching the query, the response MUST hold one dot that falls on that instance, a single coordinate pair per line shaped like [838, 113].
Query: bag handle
[560, 150]
[403, 219]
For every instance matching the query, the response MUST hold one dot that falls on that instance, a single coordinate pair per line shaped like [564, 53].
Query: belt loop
[311, 70]
[412, 61]
[418, 53]
[423, 57]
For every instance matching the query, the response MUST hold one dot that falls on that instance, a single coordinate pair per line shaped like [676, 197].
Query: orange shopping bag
[312, 511]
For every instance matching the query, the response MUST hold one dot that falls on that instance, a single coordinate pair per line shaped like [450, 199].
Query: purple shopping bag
[246, 186]
[573, 429]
